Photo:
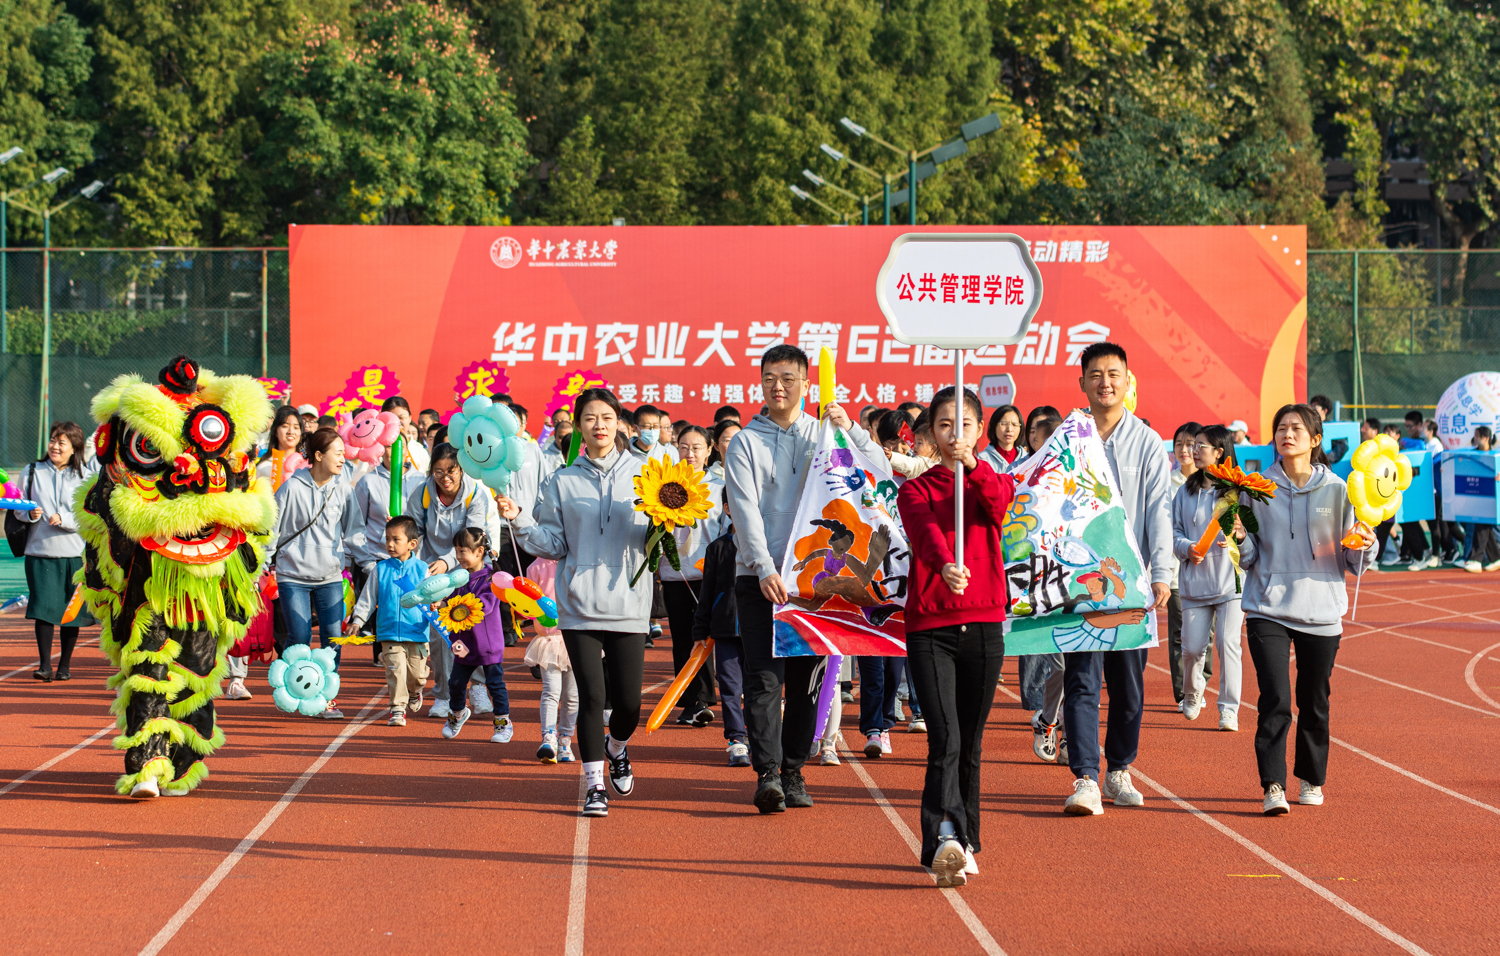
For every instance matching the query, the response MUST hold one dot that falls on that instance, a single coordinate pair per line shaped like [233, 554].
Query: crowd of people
[574, 528]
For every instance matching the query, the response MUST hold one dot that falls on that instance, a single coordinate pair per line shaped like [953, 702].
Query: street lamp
[809, 197]
[941, 153]
[47, 212]
[822, 183]
[6, 157]
[883, 178]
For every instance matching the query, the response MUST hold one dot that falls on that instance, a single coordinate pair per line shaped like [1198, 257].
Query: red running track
[335, 837]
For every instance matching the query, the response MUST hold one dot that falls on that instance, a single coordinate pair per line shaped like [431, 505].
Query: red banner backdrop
[1214, 318]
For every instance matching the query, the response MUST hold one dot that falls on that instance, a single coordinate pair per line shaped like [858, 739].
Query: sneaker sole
[1277, 811]
[596, 813]
[948, 866]
[770, 801]
[872, 753]
[1316, 802]
[1081, 810]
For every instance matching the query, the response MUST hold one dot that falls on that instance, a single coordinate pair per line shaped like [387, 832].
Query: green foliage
[89, 332]
[406, 121]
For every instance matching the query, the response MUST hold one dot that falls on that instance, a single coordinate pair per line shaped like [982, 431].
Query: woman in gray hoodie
[585, 520]
[1294, 596]
[54, 551]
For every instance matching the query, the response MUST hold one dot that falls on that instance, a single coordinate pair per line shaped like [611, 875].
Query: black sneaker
[596, 803]
[620, 776]
[795, 789]
[769, 797]
[703, 718]
[685, 719]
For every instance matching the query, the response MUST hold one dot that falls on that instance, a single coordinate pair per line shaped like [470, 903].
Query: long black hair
[836, 529]
[1222, 439]
[1312, 421]
[1040, 413]
[282, 414]
[719, 429]
[995, 416]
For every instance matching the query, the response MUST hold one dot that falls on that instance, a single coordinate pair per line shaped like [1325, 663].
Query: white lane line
[1374, 759]
[965, 914]
[1447, 700]
[578, 885]
[1369, 921]
[29, 667]
[55, 760]
[1473, 684]
[178, 920]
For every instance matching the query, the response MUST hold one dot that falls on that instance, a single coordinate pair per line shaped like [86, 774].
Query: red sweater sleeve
[927, 541]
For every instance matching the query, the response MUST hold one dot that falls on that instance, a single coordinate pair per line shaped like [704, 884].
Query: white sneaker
[1435, 561]
[900, 714]
[479, 700]
[565, 751]
[828, 756]
[1117, 786]
[1492, 566]
[1310, 796]
[145, 789]
[455, 723]
[504, 730]
[1044, 743]
[917, 725]
[439, 709]
[547, 752]
[1192, 706]
[738, 754]
[414, 704]
[971, 865]
[872, 745]
[948, 863]
[237, 691]
[1418, 565]
[885, 743]
[1390, 559]
[1275, 803]
[1229, 721]
[1473, 567]
[1085, 799]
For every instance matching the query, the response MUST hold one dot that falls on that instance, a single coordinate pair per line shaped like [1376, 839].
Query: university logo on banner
[846, 560]
[1076, 578]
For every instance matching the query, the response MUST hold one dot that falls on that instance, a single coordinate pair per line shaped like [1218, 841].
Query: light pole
[883, 178]
[822, 183]
[46, 212]
[941, 153]
[6, 157]
[804, 194]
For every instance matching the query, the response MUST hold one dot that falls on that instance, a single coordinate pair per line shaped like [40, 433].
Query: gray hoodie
[53, 488]
[438, 523]
[1211, 581]
[1294, 567]
[371, 503]
[765, 469]
[585, 520]
[315, 556]
[1144, 476]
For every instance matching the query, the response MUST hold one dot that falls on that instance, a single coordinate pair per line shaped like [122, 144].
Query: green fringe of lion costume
[176, 531]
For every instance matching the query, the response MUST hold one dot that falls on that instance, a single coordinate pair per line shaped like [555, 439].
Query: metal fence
[129, 310]
[1391, 329]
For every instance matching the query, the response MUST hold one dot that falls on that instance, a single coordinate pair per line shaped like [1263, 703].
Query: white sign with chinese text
[997, 390]
[962, 290]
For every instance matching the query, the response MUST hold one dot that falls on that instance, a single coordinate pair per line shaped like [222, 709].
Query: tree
[575, 196]
[45, 64]
[405, 121]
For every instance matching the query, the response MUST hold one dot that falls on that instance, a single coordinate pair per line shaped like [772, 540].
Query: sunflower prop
[673, 495]
[461, 612]
[1231, 482]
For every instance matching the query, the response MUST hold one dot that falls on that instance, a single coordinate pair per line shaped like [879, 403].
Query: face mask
[649, 436]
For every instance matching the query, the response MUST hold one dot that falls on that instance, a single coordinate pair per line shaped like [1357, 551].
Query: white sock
[614, 747]
[593, 774]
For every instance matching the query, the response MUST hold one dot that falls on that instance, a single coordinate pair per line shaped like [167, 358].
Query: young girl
[586, 521]
[1004, 452]
[548, 656]
[955, 630]
[680, 589]
[1484, 553]
[723, 434]
[1206, 584]
[1041, 675]
[481, 646]
[54, 551]
[715, 617]
[1294, 596]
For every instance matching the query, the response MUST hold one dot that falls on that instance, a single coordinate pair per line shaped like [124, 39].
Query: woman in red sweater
[955, 641]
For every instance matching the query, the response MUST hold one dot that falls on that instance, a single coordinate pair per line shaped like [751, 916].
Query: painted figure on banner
[1077, 581]
[846, 561]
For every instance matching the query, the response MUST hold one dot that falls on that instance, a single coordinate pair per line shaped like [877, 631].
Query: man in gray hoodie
[1143, 477]
[765, 469]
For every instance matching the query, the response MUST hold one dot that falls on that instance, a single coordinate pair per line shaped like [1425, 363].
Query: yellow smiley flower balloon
[1130, 394]
[1379, 474]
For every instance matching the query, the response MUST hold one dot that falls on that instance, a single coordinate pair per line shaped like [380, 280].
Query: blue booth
[1469, 486]
[1339, 441]
[1418, 502]
[1256, 458]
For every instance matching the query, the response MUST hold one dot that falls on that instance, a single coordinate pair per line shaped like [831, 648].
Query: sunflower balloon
[461, 613]
[1380, 473]
[673, 495]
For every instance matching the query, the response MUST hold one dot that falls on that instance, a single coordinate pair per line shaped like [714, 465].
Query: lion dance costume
[175, 532]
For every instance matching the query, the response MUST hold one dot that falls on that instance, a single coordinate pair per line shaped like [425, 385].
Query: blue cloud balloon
[487, 436]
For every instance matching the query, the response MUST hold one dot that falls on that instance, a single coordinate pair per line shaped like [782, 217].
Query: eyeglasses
[447, 472]
[1202, 446]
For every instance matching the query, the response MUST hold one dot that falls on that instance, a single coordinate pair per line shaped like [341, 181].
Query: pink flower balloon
[367, 435]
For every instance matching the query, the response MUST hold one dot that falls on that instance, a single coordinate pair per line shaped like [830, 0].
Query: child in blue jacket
[402, 631]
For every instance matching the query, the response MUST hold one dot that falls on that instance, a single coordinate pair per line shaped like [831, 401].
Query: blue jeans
[878, 680]
[1124, 673]
[1034, 669]
[728, 668]
[296, 605]
[494, 681]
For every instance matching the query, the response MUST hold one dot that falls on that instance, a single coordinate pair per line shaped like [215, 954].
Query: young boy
[402, 631]
[716, 618]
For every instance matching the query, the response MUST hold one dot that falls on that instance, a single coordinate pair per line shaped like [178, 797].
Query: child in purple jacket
[483, 645]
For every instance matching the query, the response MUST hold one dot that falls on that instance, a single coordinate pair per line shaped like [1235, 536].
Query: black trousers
[1270, 649]
[681, 606]
[1382, 534]
[776, 740]
[955, 670]
[1413, 540]
[619, 682]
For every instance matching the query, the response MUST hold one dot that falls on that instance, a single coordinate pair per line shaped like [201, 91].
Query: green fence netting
[1391, 329]
[131, 310]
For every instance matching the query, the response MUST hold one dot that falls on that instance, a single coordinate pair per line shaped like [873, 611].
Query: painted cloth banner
[846, 560]
[1214, 317]
[1077, 581]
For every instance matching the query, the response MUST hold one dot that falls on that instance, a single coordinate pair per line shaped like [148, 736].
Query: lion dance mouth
[175, 534]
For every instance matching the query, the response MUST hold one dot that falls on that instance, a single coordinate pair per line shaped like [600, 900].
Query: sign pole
[958, 466]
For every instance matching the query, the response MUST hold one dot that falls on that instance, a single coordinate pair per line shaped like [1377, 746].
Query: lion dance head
[175, 530]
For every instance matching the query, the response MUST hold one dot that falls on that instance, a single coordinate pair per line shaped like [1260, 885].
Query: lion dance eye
[143, 451]
[209, 429]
